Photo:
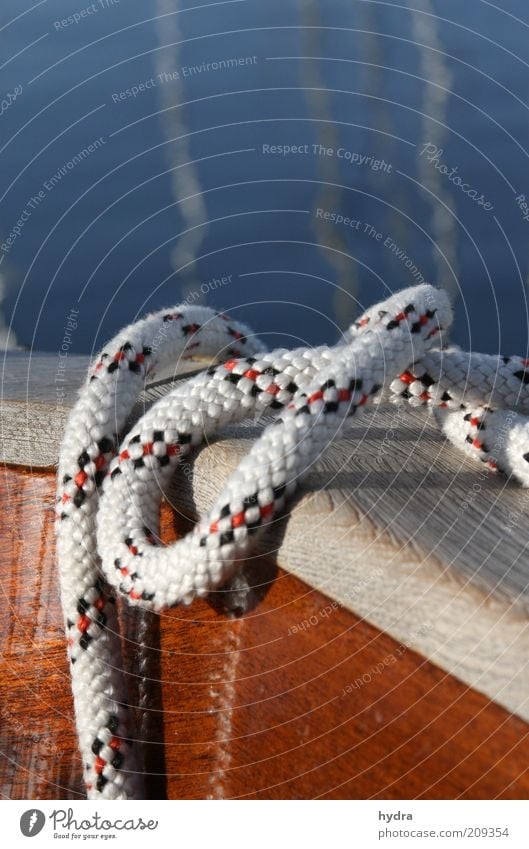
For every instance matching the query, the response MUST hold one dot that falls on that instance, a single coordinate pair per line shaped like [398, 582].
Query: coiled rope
[109, 493]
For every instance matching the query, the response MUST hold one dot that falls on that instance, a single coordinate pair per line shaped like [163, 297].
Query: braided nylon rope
[109, 496]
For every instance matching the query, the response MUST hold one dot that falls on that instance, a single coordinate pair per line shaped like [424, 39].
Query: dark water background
[131, 226]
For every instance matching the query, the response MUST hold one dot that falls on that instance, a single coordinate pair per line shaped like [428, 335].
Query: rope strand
[109, 498]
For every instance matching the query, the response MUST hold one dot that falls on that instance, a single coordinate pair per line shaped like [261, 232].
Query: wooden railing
[382, 651]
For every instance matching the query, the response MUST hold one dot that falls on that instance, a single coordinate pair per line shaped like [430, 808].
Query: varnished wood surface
[261, 705]
[378, 524]
[445, 541]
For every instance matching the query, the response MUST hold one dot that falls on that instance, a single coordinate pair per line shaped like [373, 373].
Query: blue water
[413, 125]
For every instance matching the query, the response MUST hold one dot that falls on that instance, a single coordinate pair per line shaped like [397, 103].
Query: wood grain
[393, 523]
[258, 705]
[380, 528]
[37, 394]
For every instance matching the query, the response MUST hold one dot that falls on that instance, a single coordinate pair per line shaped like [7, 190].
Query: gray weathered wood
[42, 377]
[35, 400]
[393, 523]
[384, 534]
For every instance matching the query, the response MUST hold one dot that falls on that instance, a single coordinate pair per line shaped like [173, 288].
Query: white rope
[112, 540]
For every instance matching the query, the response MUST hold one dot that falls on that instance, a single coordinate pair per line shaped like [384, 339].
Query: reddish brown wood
[256, 706]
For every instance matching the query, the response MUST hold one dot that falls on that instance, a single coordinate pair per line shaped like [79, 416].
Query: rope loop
[110, 486]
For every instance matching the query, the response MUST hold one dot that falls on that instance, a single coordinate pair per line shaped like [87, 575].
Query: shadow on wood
[296, 698]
